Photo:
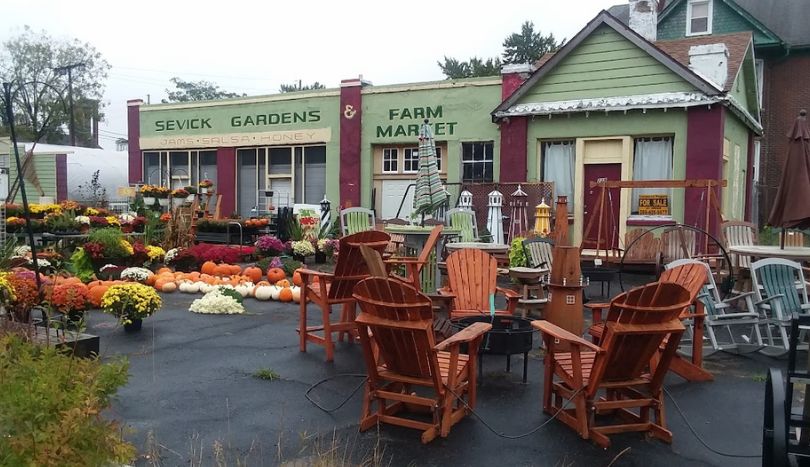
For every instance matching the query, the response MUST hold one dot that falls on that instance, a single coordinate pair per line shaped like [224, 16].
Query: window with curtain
[558, 167]
[699, 17]
[652, 160]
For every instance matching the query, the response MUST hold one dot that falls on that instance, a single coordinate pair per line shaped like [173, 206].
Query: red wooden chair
[336, 288]
[472, 275]
[616, 377]
[396, 332]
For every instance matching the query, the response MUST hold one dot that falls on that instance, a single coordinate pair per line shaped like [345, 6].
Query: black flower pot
[134, 326]
[320, 257]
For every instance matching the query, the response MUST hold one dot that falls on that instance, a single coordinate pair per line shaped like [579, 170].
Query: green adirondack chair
[353, 220]
[464, 221]
[780, 291]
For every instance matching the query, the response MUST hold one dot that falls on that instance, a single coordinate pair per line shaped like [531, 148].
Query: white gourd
[262, 292]
[274, 292]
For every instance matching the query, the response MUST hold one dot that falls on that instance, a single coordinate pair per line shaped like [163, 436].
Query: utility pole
[69, 70]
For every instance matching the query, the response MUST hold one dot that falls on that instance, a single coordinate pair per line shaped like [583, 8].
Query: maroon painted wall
[704, 160]
[510, 82]
[133, 136]
[350, 128]
[514, 134]
[61, 177]
[226, 179]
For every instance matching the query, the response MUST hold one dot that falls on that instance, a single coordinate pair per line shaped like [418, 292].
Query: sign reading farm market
[407, 121]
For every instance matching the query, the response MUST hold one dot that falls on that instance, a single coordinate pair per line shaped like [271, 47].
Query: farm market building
[610, 104]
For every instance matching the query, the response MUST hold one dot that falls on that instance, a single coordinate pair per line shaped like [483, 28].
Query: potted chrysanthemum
[131, 303]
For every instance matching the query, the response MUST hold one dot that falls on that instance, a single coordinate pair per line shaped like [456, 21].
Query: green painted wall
[295, 111]
[724, 20]
[605, 65]
[652, 123]
[737, 133]
[460, 113]
[45, 165]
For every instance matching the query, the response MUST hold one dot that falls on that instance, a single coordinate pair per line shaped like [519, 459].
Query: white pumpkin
[263, 292]
[245, 289]
[199, 285]
[274, 292]
[296, 292]
[205, 288]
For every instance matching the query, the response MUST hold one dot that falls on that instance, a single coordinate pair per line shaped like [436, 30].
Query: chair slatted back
[737, 233]
[354, 220]
[351, 267]
[678, 243]
[472, 275]
[644, 317]
[773, 277]
[709, 294]
[464, 221]
[400, 321]
[794, 238]
[539, 252]
[376, 266]
[691, 275]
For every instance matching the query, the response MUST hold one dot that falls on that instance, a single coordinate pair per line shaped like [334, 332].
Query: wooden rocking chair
[472, 275]
[396, 333]
[642, 320]
[336, 288]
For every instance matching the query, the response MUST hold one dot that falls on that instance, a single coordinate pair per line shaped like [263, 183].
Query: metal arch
[696, 229]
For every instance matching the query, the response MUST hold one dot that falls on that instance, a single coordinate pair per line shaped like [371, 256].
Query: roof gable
[727, 16]
[737, 44]
[567, 76]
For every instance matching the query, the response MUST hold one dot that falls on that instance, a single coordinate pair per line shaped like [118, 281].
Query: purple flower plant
[269, 245]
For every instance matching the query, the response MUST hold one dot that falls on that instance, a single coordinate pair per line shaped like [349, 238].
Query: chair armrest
[769, 299]
[738, 296]
[467, 334]
[562, 335]
[508, 293]
[446, 292]
[304, 272]
[403, 260]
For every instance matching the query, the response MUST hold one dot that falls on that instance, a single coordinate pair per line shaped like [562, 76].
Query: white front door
[3, 183]
[391, 197]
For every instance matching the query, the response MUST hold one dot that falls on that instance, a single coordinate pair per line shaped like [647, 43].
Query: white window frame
[759, 71]
[710, 7]
[395, 160]
[406, 160]
[667, 191]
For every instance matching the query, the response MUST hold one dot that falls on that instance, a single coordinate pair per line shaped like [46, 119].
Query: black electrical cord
[698, 437]
[351, 375]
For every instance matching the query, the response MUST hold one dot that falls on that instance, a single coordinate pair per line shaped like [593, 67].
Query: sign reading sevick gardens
[253, 129]
[398, 127]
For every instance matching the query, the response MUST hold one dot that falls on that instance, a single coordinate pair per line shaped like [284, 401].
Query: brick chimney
[644, 18]
[512, 76]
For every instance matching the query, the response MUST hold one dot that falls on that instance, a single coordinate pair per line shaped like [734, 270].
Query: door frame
[625, 158]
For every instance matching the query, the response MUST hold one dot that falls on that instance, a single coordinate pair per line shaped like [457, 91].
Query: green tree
[298, 87]
[196, 91]
[31, 62]
[456, 69]
[528, 45]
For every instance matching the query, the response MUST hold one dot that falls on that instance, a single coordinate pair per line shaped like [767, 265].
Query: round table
[795, 253]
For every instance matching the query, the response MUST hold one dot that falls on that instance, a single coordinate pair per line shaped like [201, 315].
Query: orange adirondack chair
[472, 275]
[414, 265]
[396, 332]
[336, 288]
[692, 277]
[643, 319]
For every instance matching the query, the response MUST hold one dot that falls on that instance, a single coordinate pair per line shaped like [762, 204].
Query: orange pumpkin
[285, 295]
[236, 269]
[193, 275]
[150, 279]
[95, 293]
[92, 284]
[275, 274]
[160, 283]
[168, 287]
[222, 270]
[208, 267]
[162, 270]
[254, 273]
[297, 280]
[283, 283]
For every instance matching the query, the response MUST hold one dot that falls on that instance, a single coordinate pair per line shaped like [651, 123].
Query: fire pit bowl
[509, 335]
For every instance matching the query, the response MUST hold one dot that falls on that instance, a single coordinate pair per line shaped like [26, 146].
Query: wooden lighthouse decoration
[565, 286]
[520, 219]
[561, 222]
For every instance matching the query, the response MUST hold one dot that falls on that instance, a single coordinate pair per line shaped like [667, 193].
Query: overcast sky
[254, 46]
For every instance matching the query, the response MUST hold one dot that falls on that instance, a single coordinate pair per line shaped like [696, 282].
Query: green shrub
[50, 408]
[289, 265]
[80, 265]
[517, 257]
[111, 239]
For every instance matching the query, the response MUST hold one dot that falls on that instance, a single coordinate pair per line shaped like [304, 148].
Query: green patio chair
[779, 291]
[722, 319]
[464, 221]
[539, 252]
[353, 220]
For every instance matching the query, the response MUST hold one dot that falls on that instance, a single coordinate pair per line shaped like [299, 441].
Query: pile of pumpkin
[249, 282]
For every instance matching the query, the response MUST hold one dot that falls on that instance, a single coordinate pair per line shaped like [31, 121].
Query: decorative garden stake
[326, 217]
[542, 219]
[495, 217]
[465, 200]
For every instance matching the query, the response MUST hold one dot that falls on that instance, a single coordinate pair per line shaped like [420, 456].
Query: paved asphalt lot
[192, 399]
